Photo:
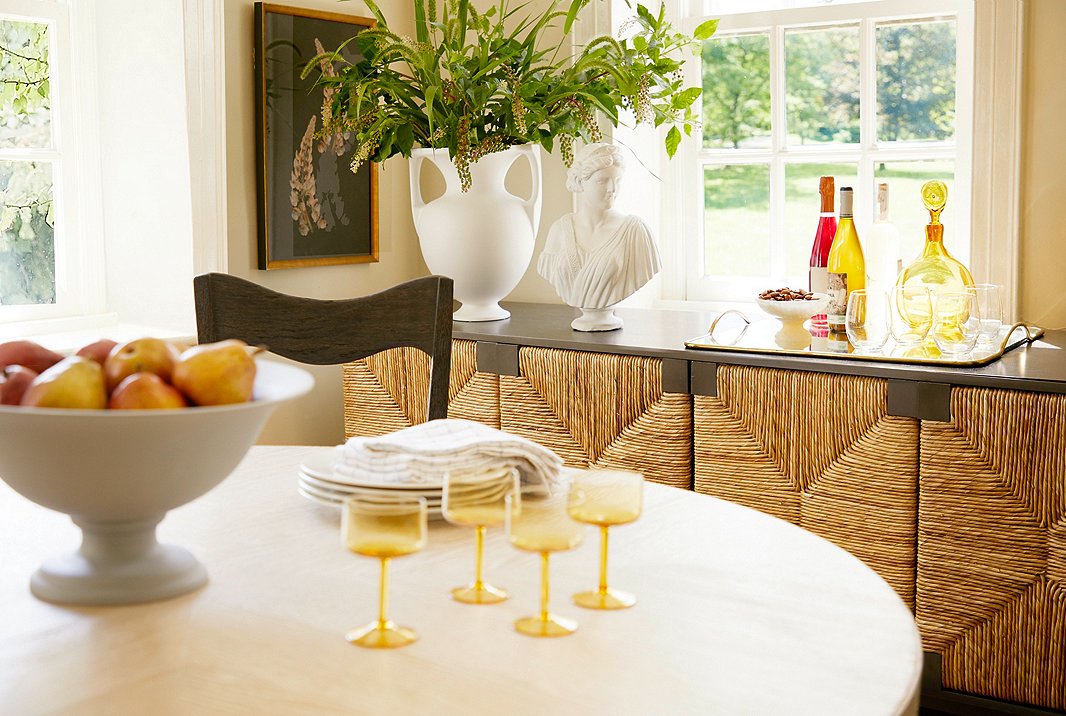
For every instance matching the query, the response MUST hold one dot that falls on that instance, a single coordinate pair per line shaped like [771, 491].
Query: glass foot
[374, 636]
[485, 594]
[609, 599]
[551, 626]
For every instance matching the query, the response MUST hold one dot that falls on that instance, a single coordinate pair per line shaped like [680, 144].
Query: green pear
[146, 391]
[216, 373]
[74, 382]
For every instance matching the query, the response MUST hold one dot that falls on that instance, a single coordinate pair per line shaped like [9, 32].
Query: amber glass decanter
[935, 268]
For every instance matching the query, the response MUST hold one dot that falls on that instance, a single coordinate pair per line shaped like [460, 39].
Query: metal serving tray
[733, 331]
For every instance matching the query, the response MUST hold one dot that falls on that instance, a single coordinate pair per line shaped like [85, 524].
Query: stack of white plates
[316, 481]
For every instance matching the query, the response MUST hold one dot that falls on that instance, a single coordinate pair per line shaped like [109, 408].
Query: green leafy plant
[479, 82]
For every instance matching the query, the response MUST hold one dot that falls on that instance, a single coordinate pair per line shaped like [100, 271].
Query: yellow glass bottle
[935, 268]
[846, 266]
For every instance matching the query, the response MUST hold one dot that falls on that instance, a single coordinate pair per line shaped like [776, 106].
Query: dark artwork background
[316, 210]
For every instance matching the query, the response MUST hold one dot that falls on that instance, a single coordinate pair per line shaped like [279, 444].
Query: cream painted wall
[1043, 189]
[144, 172]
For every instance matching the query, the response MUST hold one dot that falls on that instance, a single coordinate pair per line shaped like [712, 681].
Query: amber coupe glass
[605, 498]
[384, 527]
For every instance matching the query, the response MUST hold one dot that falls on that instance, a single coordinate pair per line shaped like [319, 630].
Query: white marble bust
[597, 256]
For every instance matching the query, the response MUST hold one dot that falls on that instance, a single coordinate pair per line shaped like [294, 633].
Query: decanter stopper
[935, 197]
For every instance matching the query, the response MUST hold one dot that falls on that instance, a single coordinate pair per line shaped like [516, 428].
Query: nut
[787, 294]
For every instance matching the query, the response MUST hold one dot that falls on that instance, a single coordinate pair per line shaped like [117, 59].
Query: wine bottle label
[819, 279]
[838, 297]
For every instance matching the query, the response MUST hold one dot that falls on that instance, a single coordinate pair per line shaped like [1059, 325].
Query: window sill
[66, 335]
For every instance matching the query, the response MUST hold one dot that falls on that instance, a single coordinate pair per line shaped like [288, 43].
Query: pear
[143, 355]
[146, 391]
[98, 350]
[216, 373]
[14, 382]
[74, 382]
[27, 353]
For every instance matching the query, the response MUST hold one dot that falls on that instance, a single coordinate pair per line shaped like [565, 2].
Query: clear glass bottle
[881, 248]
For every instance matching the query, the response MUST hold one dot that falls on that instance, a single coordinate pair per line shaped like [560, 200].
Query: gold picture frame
[312, 210]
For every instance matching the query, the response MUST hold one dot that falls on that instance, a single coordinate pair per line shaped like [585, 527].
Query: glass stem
[478, 583]
[603, 559]
[544, 585]
[383, 598]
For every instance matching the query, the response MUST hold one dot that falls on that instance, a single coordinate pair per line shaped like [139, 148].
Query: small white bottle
[881, 248]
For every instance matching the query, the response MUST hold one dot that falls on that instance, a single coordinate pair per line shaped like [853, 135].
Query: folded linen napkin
[421, 454]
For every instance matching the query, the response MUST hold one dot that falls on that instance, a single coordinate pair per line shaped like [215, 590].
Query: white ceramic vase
[482, 238]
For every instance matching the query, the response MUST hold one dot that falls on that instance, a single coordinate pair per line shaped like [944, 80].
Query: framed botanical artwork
[312, 210]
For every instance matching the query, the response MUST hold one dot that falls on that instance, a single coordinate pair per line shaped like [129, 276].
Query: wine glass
[540, 523]
[867, 320]
[990, 300]
[384, 526]
[956, 321]
[912, 314]
[605, 498]
[478, 499]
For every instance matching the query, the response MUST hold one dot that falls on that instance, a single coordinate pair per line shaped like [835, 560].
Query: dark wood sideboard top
[1040, 367]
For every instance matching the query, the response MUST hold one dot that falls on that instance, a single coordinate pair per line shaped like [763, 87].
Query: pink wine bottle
[823, 239]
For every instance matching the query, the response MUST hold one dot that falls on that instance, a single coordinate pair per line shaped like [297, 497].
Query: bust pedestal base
[597, 319]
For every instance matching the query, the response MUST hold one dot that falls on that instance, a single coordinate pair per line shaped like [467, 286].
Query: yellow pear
[74, 382]
[144, 355]
[146, 391]
[216, 373]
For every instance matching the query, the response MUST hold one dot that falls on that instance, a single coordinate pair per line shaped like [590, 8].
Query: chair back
[417, 313]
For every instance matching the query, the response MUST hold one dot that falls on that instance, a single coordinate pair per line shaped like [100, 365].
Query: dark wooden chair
[328, 332]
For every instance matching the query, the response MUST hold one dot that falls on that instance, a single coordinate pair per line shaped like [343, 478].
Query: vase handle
[532, 204]
[417, 202]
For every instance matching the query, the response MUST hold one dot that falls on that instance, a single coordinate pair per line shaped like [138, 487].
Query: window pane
[905, 208]
[736, 220]
[24, 87]
[916, 81]
[802, 206]
[822, 85]
[736, 91]
[27, 246]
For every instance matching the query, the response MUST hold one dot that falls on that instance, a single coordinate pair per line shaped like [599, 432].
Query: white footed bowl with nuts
[792, 306]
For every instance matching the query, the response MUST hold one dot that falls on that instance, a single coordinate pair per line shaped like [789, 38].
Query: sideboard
[948, 482]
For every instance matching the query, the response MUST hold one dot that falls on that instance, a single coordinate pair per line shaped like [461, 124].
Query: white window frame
[79, 255]
[995, 154]
[865, 154]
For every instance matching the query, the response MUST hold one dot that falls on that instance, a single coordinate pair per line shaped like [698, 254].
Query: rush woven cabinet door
[992, 545]
[819, 451]
[601, 410]
[387, 391]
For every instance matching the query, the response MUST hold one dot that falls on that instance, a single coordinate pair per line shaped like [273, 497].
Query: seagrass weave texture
[992, 545]
[601, 410]
[387, 391]
[819, 451]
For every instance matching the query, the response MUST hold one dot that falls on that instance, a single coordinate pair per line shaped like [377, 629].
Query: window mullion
[864, 193]
[779, 143]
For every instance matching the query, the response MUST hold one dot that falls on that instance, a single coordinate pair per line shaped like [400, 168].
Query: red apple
[27, 353]
[98, 351]
[14, 382]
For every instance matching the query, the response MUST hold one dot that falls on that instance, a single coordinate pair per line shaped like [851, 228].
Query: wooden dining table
[737, 613]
